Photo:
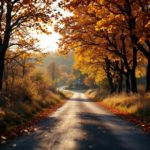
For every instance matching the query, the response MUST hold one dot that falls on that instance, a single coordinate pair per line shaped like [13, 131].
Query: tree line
[110, 39]
[18, 19]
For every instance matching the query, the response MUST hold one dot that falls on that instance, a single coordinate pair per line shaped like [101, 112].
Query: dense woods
[110, 39]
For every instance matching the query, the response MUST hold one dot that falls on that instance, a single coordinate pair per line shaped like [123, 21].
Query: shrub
[28, 96]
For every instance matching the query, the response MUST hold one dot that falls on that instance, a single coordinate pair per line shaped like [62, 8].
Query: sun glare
[49, 42]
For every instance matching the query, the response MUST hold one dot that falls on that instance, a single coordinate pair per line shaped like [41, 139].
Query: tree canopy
[108, 35]
[17, 19]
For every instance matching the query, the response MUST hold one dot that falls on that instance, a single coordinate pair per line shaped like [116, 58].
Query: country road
[81, 125]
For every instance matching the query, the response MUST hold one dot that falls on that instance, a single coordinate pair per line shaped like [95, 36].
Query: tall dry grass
[27, 97]
[96, 94]
[132, 104]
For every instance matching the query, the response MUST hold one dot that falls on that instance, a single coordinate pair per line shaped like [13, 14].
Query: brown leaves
[26, 1]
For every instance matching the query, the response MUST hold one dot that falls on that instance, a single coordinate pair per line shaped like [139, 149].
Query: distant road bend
[81, 125]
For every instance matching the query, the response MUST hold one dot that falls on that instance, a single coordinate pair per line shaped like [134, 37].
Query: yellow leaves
[140, 71]
[89, 61]
[39, 20]
[109, 23]
[119, 17]
[148, 24]
[71, 8]
[91, 8]
[101, 76]
[105, 26]
[101, 1]
[142, 39]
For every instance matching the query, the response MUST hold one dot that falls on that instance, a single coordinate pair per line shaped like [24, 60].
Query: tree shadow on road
[97, 136]
[80, 99]
[34, 140]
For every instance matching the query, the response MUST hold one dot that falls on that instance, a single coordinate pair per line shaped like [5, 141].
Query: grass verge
[19, 117]
[134, 108]
[68, 94]
[28, 126]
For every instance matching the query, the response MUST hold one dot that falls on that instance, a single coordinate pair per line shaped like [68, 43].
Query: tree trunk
[1, 69]
[120, 73]
[148, 76]
[110, 82]
[127, 82]
[133, 82]
[5, 43]
[120, 82]
[5, 78]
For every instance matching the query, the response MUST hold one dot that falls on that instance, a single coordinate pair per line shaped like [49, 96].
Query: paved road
[82, 125]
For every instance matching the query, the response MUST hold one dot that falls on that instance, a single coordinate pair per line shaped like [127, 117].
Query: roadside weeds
[134, 108]
[29, 126]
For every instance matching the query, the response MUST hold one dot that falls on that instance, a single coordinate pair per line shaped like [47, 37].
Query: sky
[49, 43]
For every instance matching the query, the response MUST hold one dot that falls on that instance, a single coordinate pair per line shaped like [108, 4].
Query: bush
[97, 94]
[12, 118]
[28, 96]
[134, 104]
[25, 90]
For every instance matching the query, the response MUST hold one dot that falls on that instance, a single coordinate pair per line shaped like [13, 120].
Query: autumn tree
[133, 19]
[18, 17]
[19, 67]
[54, 72]
[89, 82]
[80, 35]
[116, 29]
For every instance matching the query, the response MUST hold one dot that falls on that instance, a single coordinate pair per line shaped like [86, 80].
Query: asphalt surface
[82, 125]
